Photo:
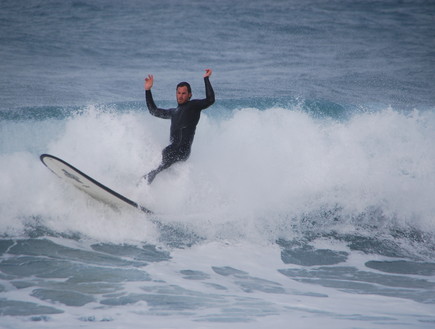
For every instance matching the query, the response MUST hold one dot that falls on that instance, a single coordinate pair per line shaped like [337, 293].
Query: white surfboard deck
[87, 184]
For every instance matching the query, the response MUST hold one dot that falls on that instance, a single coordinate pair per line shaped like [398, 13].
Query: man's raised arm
[154, 110]
[209, 93]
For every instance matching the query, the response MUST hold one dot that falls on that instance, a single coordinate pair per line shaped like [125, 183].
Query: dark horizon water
[357, 52]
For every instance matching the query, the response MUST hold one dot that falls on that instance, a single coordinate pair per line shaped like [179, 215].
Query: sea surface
[309, 197]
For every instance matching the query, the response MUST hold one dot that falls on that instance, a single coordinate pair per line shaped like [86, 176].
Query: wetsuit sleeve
[209, 93]
[154, 110]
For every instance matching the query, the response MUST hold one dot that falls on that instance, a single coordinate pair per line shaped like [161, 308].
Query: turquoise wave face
[223, 108]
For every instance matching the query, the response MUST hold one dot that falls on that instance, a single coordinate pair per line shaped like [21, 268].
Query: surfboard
[87, 184]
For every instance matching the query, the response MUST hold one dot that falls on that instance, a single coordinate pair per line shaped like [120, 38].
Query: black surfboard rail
[45, 157]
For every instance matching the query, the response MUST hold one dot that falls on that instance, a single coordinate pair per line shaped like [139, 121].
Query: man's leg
[152, 174]
[170, 155]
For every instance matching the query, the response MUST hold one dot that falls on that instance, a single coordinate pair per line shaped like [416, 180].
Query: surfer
[184, 120]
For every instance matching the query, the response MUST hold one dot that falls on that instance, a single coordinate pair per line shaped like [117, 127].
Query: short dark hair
[185, 84]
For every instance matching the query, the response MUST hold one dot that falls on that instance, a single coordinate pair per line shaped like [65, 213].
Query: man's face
[182, 95]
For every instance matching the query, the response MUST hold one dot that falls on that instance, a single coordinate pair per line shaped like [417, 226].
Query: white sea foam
[248, 174]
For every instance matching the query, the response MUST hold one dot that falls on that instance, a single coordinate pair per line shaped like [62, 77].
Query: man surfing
[184, 119]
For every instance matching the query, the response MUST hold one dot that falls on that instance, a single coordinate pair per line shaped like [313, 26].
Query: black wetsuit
[184, 119]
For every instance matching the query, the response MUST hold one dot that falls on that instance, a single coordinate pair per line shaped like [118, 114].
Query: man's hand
[208, 73]
[149, 82]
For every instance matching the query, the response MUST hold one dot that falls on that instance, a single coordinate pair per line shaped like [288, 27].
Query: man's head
[183, 93]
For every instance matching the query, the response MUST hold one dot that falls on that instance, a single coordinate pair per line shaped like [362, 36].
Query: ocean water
[307, 202]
